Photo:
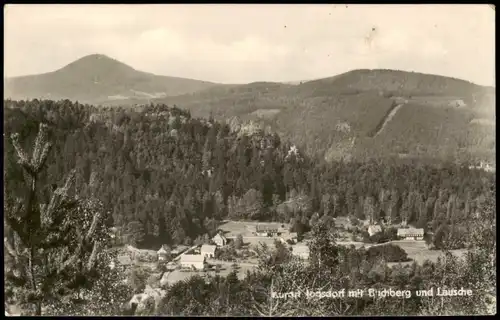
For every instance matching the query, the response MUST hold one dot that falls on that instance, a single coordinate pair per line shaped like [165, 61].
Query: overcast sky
[246, 43]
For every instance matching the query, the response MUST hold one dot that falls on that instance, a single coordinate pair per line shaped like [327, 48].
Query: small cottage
[219, 240]
[163, 253]
[411, 233]
[193, 261]
[301, 251]
[374, 229]
[292, 236]
[208, 251]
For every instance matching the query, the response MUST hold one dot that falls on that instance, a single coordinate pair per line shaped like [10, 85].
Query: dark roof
[266, 229]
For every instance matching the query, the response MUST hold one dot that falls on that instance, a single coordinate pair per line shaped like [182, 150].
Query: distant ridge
[335, 117]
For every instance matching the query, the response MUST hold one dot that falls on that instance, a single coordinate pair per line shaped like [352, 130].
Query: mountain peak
[95, 56]
[96, 63]
[97, 77]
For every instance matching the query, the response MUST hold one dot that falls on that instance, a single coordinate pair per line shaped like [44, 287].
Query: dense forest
[169, 178]
[160, 176]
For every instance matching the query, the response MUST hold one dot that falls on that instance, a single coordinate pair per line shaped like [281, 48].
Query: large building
[411, 233]
[301, 251]
[208, 251]
[219, 240]
[193, 261]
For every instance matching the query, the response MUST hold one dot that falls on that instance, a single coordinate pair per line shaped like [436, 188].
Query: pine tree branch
[93, 255]
[73, 258]
[93, 226]
[21, 154]
[43, 156]
[10, 250]
[37, 158]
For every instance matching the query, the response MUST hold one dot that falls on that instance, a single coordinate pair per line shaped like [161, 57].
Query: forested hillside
[168, 177]
[341, 117]
[440, 117]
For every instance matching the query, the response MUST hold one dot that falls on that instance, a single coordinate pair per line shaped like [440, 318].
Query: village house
[485, 166]
[292, 236]
[374, 229]
[267, 231]
[411, 233]
[208, 251]
[219, 240]
[301, 251]
[193, 261]
[163, 253]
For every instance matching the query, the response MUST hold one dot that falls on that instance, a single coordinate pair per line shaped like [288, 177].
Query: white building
[301, 251]
[374, 229]
[219, 240]
[292, 236]
[163, 253]
[483, 166]
[208, 251]
[193, 261]
[411, 233]
[265, 230]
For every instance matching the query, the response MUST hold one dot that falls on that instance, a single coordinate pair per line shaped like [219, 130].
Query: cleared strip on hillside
[385, 120]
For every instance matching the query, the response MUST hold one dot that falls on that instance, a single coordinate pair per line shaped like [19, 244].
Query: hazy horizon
[251, 43]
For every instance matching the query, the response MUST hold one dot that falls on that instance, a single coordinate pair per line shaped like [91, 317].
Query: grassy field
[245, 228]
[178, 275]
[416, 250]
[263, 113]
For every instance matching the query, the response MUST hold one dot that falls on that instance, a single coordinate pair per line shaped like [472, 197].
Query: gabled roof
[162, 250]
[291, 235]
[374, 228]
[410, 231]
[192, 258]
[268, 228]
[208, 248]
[300, 249]
[218, 235]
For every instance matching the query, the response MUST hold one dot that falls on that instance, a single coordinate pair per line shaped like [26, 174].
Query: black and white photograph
[249, 160]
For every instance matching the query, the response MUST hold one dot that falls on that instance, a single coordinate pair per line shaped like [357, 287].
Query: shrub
[389, 252]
